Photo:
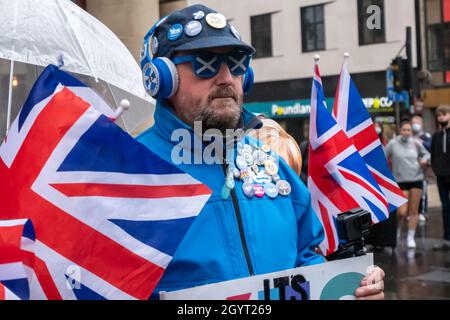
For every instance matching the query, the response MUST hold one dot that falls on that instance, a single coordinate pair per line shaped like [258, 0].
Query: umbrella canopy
[59, 32]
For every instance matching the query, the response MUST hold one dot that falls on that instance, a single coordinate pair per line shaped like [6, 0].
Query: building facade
[289, 33]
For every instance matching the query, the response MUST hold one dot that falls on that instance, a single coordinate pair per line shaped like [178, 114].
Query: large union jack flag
[339, 179]
[107, 212]
[351, 114]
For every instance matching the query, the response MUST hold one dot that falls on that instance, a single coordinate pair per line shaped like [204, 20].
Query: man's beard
[212, 117]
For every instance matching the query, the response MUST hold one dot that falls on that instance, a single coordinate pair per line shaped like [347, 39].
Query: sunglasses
[207, 64]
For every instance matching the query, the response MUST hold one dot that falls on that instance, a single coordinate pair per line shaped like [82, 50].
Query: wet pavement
[420, 273]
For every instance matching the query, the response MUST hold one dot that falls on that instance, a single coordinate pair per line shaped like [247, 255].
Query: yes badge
[175, 32]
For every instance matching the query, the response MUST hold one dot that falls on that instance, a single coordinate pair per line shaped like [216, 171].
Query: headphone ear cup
[166, 78]
[249, 79]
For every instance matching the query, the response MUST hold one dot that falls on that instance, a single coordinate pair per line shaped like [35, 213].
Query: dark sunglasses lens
[238, 63]
[206, 65]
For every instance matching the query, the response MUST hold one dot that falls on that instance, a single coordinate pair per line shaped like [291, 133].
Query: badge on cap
[198, 15]
[235, 32]
[143, 51]
[154, 45]
[216, 20]
[175, 32]
[193, 28]
[151, 78]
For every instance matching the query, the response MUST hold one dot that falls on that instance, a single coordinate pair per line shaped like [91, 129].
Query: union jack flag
[108, 213]
[351, 114]
[339, 179]
[17, 239]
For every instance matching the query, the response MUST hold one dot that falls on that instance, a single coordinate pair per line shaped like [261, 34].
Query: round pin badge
[248, 190]
[271, 167]
[154, 45]
[216, 20]
[244, 175]
[284, 188]
[259, 157]
[198, 15]
[235, 33]
[144, 51]
[151, 78]
[247, 148]
[271, 190]
[193, 28]
[265, 148]
[259, 191]
[248, 157]
[260, 178]
[241, 163]
[175, 32]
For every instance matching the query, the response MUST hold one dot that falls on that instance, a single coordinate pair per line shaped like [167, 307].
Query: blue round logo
[151, 79]
[175, 32]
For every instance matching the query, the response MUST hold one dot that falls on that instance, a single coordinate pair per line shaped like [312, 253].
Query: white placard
[327, 281]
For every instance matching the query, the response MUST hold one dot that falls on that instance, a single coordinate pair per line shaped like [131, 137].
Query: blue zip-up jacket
[236, 237]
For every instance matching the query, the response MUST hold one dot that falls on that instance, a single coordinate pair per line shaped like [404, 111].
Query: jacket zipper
[237, 211]
[444, 148]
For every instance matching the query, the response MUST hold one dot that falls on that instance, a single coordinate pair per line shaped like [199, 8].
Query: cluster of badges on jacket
[257, 168]
[194, 27]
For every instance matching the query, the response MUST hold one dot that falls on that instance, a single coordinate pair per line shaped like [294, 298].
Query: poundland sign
[302, 108]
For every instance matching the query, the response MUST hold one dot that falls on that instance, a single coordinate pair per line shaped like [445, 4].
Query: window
[438, 36]
[371, 25]
[313, 28]
[261, 29]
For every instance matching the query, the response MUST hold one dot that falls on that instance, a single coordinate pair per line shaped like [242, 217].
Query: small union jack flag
[339, 179]
[351, 114]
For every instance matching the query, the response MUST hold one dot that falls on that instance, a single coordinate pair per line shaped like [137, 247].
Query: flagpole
[10, 93]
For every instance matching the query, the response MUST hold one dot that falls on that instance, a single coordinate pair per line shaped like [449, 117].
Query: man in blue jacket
[259, 218]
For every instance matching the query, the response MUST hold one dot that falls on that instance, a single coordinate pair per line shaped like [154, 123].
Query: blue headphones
[160, 76]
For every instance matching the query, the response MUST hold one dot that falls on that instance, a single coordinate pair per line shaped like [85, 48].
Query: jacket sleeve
[423, 152]
[309, 227]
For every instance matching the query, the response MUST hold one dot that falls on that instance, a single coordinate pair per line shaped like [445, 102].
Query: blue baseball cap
[193, 28]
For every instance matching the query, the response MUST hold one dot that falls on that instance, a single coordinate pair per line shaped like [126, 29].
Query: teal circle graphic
[342, 285]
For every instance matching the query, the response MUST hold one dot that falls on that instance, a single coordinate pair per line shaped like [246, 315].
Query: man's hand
[372, 285]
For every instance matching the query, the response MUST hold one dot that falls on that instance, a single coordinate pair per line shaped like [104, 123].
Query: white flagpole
[8, 113]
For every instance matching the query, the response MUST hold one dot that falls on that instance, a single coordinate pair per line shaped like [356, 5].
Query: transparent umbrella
[34, 34]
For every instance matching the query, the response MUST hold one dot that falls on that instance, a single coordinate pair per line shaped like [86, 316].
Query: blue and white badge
[193, 28]
[151, 78]
[271, 190]
[198, 15]
[144, 51]
[261, 177]
[154, 45]
[175, 32]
